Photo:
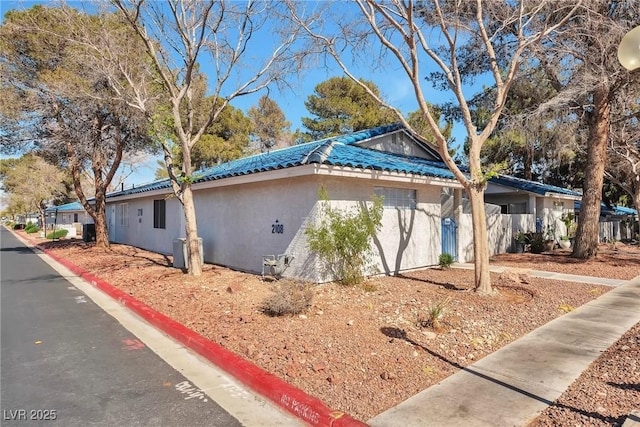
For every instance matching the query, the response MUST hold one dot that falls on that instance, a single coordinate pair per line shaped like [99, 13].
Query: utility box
[89, 232]
[180, 255]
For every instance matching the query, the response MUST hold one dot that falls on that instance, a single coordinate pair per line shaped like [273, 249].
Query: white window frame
[397, 198]
[123, 213]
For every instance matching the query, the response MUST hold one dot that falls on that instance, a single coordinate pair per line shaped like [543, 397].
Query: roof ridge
[320, 153]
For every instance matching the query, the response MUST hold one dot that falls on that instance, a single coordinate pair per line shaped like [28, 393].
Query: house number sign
[277, 228]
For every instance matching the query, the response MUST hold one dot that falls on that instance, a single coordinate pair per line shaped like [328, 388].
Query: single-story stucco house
[70, 216]
[261, 205]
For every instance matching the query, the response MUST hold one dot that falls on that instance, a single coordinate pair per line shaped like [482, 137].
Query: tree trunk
[636, 202]
[528, 163]
[100, 220]
[586, 243]
[191, 229]
[43, 219]
[480, 240]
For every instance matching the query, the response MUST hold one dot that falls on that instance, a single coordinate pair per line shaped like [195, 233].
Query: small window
[514, 208]
[402, 198]
[123, 213]
[159, 213]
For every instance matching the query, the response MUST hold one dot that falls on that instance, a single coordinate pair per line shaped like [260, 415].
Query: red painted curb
[295, 401]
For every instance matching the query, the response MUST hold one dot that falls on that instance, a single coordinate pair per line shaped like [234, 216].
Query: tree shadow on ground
[397, 333]
[134, 252]
[446, 285]
[625, 386]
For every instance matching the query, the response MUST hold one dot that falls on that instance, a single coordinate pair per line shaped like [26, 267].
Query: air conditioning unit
[180, 255]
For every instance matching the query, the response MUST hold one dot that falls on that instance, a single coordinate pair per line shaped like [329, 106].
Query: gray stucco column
[457, 213]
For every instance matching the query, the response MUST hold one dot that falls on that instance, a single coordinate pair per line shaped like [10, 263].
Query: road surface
[67, 361]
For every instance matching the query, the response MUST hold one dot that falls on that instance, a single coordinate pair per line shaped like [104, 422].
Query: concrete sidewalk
[513, 385]
[548, 275]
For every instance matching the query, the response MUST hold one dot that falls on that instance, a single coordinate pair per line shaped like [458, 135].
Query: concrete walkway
[549, 275]
[513, 385]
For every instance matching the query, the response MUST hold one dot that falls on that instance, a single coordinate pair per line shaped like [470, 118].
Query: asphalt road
[65, 361]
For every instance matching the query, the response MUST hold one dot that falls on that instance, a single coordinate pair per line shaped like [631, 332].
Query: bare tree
[182, 35]
[460, 39]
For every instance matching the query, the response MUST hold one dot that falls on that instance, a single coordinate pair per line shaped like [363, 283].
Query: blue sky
[394, 86]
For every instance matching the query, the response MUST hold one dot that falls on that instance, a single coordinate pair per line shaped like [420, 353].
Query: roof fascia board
[385, 176]
[144, 194]
[292, 172]
[547, 194]
[562, 196]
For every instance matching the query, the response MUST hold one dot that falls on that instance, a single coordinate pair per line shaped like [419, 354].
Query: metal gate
[449, 238]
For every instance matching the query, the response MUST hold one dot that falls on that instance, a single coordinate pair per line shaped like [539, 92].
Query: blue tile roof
[335, 151]
[343, 151]
[74, 206]
[613, 210]
[531, 186]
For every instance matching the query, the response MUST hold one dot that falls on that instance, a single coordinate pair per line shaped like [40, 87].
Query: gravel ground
[365, 349]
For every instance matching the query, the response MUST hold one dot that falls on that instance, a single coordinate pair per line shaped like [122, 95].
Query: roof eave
[562, 196]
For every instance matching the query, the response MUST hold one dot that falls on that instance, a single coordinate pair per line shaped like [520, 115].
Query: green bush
[344, 237]
[445, 261]
[57, 234]
[537, 243]
[289, 297]
[31, 228]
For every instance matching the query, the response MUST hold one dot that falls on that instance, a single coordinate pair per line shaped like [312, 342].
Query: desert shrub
[445, 260]
[343, 239]
[289, 297]
[57, 234]
[369, 286]
[434, 314]
[31, 228]
[537, 243]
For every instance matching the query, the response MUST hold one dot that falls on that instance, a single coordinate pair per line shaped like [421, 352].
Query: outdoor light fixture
[629, 50]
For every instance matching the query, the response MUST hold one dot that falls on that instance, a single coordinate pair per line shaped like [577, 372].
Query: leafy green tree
[595, 91]
[270, 126]
[226, 139]
[343, 239]
[532, 146]
[58, 70]
[32, 183]
[419, 124]
[341, 106]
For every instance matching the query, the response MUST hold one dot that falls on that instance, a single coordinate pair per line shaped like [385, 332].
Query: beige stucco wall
[241, 223]
[408, 238]
[140, 232]
[237, 224]
[499, 235]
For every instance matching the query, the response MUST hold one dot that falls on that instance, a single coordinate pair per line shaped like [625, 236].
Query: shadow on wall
[306, 265]
[406, 226]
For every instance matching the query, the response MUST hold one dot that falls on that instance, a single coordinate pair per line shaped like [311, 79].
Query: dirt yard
[365, 349]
